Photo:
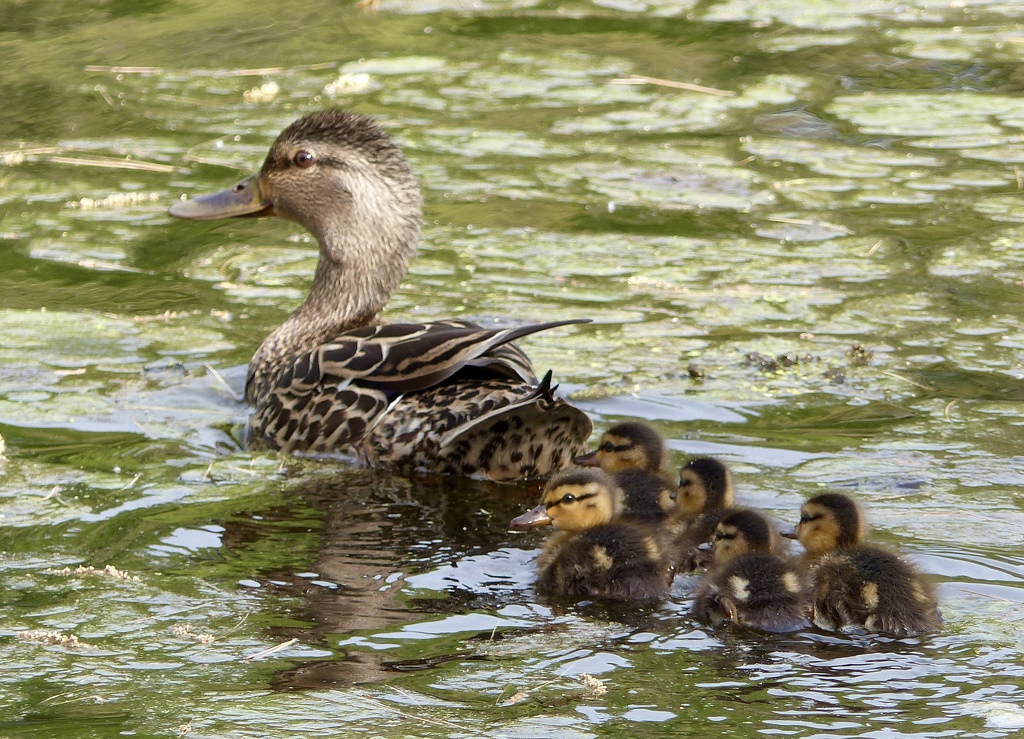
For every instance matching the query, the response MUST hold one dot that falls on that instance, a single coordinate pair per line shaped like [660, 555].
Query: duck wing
[405, 357]
[328, 397]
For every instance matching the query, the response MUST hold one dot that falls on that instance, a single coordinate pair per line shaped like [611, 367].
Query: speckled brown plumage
[333, 377]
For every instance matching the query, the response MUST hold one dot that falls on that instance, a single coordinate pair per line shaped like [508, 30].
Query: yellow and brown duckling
[747, 584]
[450, 396]
[633, 445]
[594, 553]
[633, 453]
[704, 496]
[857, 585]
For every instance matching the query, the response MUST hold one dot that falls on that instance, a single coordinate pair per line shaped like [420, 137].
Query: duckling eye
[303, 159]
[807, 518]
[568, 498]
[607, 447]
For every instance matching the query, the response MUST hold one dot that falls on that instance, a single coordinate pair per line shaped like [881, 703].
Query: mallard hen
[448, 397]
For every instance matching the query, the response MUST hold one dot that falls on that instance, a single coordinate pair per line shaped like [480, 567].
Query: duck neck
[356, 274]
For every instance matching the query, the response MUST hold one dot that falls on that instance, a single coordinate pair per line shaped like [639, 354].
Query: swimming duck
[633, 453]
[594, 553]
[747, 584]
[704, 496]
[857, 585]
[449, 397]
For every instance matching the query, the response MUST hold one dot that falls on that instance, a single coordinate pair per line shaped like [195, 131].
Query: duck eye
[607, 447]
[569, 498]
[303, 159]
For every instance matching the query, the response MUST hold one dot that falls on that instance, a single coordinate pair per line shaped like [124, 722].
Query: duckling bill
[450, 397]
[594, 554]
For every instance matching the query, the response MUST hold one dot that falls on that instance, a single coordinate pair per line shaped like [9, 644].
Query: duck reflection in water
[373, 531]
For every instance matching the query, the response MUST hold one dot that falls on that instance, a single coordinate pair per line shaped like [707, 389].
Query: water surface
[817, 277]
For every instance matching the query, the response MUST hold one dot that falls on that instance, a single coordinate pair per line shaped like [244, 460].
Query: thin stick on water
[906, 379]
[639, 79]
[217, 376]
[873, 249]
[111, 163]
[122, 70]
[273, 650]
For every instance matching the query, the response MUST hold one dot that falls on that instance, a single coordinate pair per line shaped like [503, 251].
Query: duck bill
[537, 517]
[789, 533]
[244, 199]
[587, 460]
[729, 610]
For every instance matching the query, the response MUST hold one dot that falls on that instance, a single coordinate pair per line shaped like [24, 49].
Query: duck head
[575, 500]
[827, 522]
[341, 177]
[705, 484]
[627, 446]
[741, 532]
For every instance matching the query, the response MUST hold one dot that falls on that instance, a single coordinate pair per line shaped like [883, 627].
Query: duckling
[594, 554]
[633, 453]
[705, 494]
[449, 397]
[857, 585]
[747, 584]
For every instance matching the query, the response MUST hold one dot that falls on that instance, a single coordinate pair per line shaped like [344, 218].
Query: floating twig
[873, 249]
[639, 79]
[112, 163]
[122, 70]
[273, 650]
[102, 90]
[915, 383]
[217, 376]
[806, 222]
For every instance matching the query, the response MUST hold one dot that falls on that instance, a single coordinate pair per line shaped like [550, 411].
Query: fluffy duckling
[594, 555]
[705, 494]
[860, 585]
[747, 584]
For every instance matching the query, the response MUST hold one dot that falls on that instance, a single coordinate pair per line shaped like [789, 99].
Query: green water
[863, 187]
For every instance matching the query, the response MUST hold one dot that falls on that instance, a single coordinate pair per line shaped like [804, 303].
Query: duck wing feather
[330, 396]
